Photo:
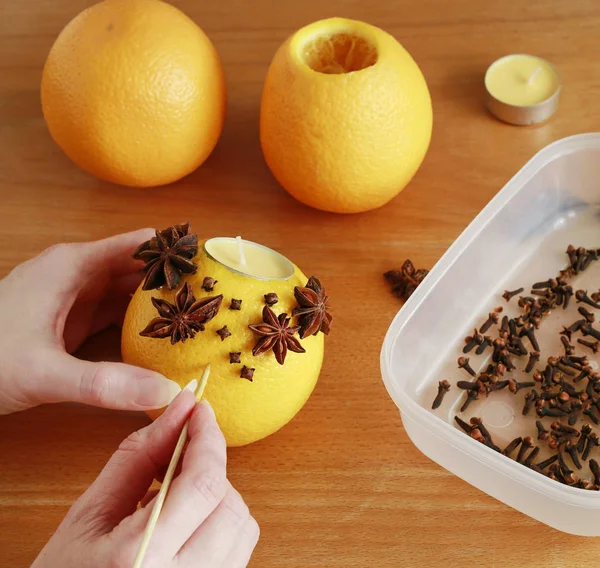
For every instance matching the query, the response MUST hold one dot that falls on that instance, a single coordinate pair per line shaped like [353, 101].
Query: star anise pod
[168, 255]
[406, 280]
[313, 315]
[276, 334]
[185, 318]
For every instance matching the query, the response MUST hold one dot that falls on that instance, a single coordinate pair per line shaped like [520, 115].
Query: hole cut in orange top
[339, 53]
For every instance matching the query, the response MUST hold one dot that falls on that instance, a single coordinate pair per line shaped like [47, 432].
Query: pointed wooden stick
[162, 494]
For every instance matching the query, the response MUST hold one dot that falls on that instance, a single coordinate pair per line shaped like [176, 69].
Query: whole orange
[346, 116]
[133, 91]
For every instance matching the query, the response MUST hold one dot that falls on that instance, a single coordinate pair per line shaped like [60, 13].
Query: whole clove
[473, 340]
[471, 396]
[589, 316]
[581, 296]
[526, 444]
[595, 469]
[593, 345]
[463, 425]
[493, 318]
[487, 341]
[562, 463]
[551, 412]
[478, 425]
[564, 430]
[443, 388]
[568, 294]
[530, 399]
[571, 449]
[208, 284]
[509, 295]
[592, 442]
[515, 386]
[534, 357]
[271, 299]
[569, 349]
[463, 363]
[543, 434]
[574, 415]
[532, 455]
[586, 430]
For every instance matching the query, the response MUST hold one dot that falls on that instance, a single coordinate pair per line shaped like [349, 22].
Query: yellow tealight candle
[522, 89]
[250, 259]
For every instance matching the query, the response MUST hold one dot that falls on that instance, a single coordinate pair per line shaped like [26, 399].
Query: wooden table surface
[342, 485]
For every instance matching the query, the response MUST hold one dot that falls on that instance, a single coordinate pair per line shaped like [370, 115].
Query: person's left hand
[50, 305]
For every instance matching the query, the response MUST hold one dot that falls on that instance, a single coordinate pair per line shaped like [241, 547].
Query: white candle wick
[241, 250]
[534, 75]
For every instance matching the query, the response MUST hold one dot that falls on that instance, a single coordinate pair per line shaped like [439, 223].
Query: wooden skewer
[162, 494]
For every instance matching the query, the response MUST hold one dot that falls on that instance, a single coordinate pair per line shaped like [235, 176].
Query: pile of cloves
[406, 280]
[564, 389]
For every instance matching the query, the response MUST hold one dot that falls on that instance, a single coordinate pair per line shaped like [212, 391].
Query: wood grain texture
[342, 485]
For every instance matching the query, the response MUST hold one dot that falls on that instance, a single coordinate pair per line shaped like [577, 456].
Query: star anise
[406, 280]
[185, 318]
[313, 315]
[276, 334]
[168, 255]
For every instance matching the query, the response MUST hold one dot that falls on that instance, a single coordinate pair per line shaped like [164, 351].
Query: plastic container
[520, 237]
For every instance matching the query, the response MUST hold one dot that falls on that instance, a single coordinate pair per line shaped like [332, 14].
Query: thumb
[109, 385]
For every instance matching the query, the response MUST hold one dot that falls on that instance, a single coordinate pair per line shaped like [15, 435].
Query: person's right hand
[204, 522]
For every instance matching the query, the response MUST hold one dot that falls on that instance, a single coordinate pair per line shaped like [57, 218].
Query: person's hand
[50, 305]
[204, 522]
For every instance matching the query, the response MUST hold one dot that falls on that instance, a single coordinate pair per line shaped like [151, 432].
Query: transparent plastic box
[519, 238]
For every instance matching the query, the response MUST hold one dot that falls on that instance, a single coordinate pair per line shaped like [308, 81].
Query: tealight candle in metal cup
[249, 258]
[522, 89]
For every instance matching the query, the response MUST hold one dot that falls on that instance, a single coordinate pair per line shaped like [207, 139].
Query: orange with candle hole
[345, 117]
[246, 411]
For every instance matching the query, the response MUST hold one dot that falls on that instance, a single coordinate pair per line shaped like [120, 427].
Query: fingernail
[157, 391]
[192, 385]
